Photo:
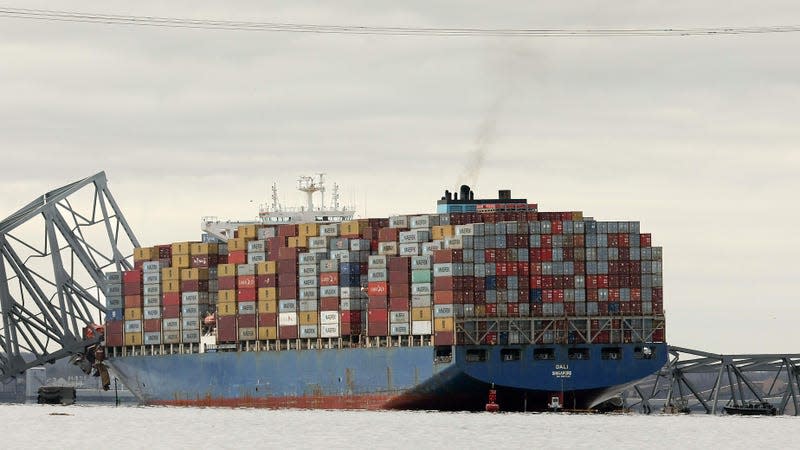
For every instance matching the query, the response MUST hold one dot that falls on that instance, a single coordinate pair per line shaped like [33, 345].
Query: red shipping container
[152, 325]
[226, 329]
[329, 279]
[165, 251]
[246, 281]
[131, 276]
[399, 290]
[569, 309]
[446, 256]
[170, 311]
[613, 295]
[377, 288]
[444, 338]
[246, 295]
[287, 266]
[287, 332]
[114, 339]
[288, 253]
[658, 294]
[246, 321]
[237, 257]
[547, 244]
[513, 309]
[645, 240]
[287, 279]
[399, 304]
[399, 264]
[328, 303]
[379, 302]
[194, 286]
[591, 295]
[443, 283]
[491, 309]
[537, 310]
[377, 315]
[350, 329]
[264, 281]
[114, 327]
[350, 317]
[267, 320]
[443, 297]
[377, 328]
[396, 277]
[199, 261]
[171, 299]
[134, 288]
[388, 234]
[133, 301]
[226, 283]
[287, 292]
[287, 230]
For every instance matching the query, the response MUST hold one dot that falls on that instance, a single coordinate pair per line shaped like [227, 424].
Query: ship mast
[309, 185]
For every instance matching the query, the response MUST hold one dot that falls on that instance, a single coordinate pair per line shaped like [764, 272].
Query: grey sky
[694, 136]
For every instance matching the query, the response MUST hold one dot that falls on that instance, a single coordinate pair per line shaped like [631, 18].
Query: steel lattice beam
[52, 289]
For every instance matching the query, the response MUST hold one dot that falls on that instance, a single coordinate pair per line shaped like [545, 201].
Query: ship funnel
[465, 192]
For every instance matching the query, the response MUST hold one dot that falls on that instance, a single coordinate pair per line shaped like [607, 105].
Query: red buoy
[491, 405]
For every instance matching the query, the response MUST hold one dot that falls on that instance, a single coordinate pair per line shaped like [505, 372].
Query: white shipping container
[171, 325]
[306, 282]
[329, 265]
[305, 270]
[429, 247]
[442, 311]
[398, 316]
[307, 258]
[247, 334]
[329, 330]
[419, 221]
[421, 262]
[114, 277]
[331, 229]
[308, 305]
[190, 336]
[149, 278]
[465, 230]
[398, 222]
[443, 270]
[133, 326]
[408, 249]
[190, 324]
[350, 304]
[329, 291]
[387, 248]
[377, 262]
[152, 338]
[287, 319]
[360, 245]
[266, 232]
[377, 274]
[421, 289]
[420, 301]
[247, 308]
[349, 292]
[342, 256]
[454, 243]
[255, 258]
[113, 289]
[151, 289]
[246, 269]
[308, 332]
[329, 317]
[171, 337]
[259, 246]
[151, 266]
[308, 293]
[194, 298]
[318, 242]
[115, 302]
[151, 312]
[399, 329]
[421, 327]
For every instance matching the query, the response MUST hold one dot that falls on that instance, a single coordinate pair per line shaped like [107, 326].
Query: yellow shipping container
[267, 294]
[203, 249]
[577, 216]
[267, 333]
[443, 324]
[132, 339]
[292, 241]
[171, 274]
[439, 232]
[352, 227]
[180, 248]
[194, 274]
[226, 270]
[237, 244]
[308, 230]
[267, 306]
[266, 268]
[480, 310]
[133, 313]
[226, 308]
[248, 231]
[423, 313]
[145, 253]
[171, 286]
[227, 295]
[308, 317]
[181, 261]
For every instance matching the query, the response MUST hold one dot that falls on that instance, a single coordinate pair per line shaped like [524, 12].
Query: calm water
[43, 426]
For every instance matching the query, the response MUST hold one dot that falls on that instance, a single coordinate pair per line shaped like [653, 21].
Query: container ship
[424, 311]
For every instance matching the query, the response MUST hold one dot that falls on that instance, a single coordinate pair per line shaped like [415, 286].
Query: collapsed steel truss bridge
[53, 253]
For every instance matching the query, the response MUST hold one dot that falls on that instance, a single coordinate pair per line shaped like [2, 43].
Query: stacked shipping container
[401, 276]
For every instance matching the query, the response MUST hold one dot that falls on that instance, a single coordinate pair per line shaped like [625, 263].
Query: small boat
[752, 409]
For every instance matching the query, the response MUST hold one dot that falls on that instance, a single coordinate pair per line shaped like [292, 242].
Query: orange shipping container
[171, 286]
[133, 313]
[267, 333]
[132, 339]
[194, 274]
[248, 232]
[237, 244]
[180, 248]
[181, 261]
[227, 295]
[443, 324]
[145, 253]
[226, 270]
[308, 318]
[227, 308]
[267, 306]
[423, 313]
[202, 249]
[171, 274]
[308, 230]
[266, 268]
[267, 294]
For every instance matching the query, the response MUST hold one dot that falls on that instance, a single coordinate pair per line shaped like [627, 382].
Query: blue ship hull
[388, 378]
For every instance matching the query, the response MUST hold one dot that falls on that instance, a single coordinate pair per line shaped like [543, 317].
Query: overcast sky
[696, 137]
